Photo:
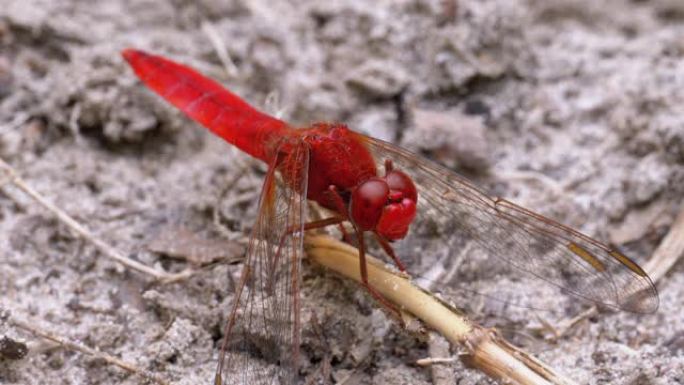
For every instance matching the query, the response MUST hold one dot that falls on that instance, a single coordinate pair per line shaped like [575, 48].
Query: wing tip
[643, 301]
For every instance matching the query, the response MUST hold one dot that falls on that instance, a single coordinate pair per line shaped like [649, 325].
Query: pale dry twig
[84, 233]
[71, 345]
[486, 350]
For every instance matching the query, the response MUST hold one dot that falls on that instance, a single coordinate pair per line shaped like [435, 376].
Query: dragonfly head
[386, 205]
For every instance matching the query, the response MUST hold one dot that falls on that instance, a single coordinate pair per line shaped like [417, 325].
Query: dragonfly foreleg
[389, 250]
[364, 278]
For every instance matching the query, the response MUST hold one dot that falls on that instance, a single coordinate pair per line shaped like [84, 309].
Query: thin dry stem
[216, 214]
[488, 352]
[438, 348]
[343, 259]
[569, 323]
[669, 251]
[434, 361]
[66, 343]
[84, 233]
[496, 360]
[220, 47]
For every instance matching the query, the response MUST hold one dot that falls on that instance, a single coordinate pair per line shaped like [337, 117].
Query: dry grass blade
[487, 351]
[669, 251]
[438, 348]
[101, 245]
[64, 342]
[220, 47]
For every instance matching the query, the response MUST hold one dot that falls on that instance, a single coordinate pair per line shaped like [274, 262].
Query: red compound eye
[367, 203]
[386, 205]
[400, 211]
[400, 182]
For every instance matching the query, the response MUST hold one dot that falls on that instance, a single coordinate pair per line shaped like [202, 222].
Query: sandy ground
[572, 108]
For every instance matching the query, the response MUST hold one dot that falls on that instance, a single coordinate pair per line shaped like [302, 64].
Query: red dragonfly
[383, 191]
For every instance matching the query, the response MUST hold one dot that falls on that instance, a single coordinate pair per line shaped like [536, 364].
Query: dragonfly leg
[388, 166]
[338, 201]
[307, 226]
[323, 223]
[389, 251]
[345, 234]
[327, 222]
[364, 279]
[319, 224]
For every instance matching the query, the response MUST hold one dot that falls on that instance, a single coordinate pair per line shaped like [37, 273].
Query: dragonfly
[386, 196]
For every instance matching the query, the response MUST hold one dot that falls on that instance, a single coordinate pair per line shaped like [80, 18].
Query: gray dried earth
[572, 108]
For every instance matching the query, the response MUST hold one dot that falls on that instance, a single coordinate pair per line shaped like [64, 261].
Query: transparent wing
[505, 243]
[262, 334]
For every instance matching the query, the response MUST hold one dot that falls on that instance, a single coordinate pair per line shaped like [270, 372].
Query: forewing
[261, 341]
[513, 244]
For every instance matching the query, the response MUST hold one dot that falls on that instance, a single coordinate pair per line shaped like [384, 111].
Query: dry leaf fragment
[11, 349]
[181, 243]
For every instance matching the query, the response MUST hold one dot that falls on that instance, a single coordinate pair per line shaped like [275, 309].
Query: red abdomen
[210, 104]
